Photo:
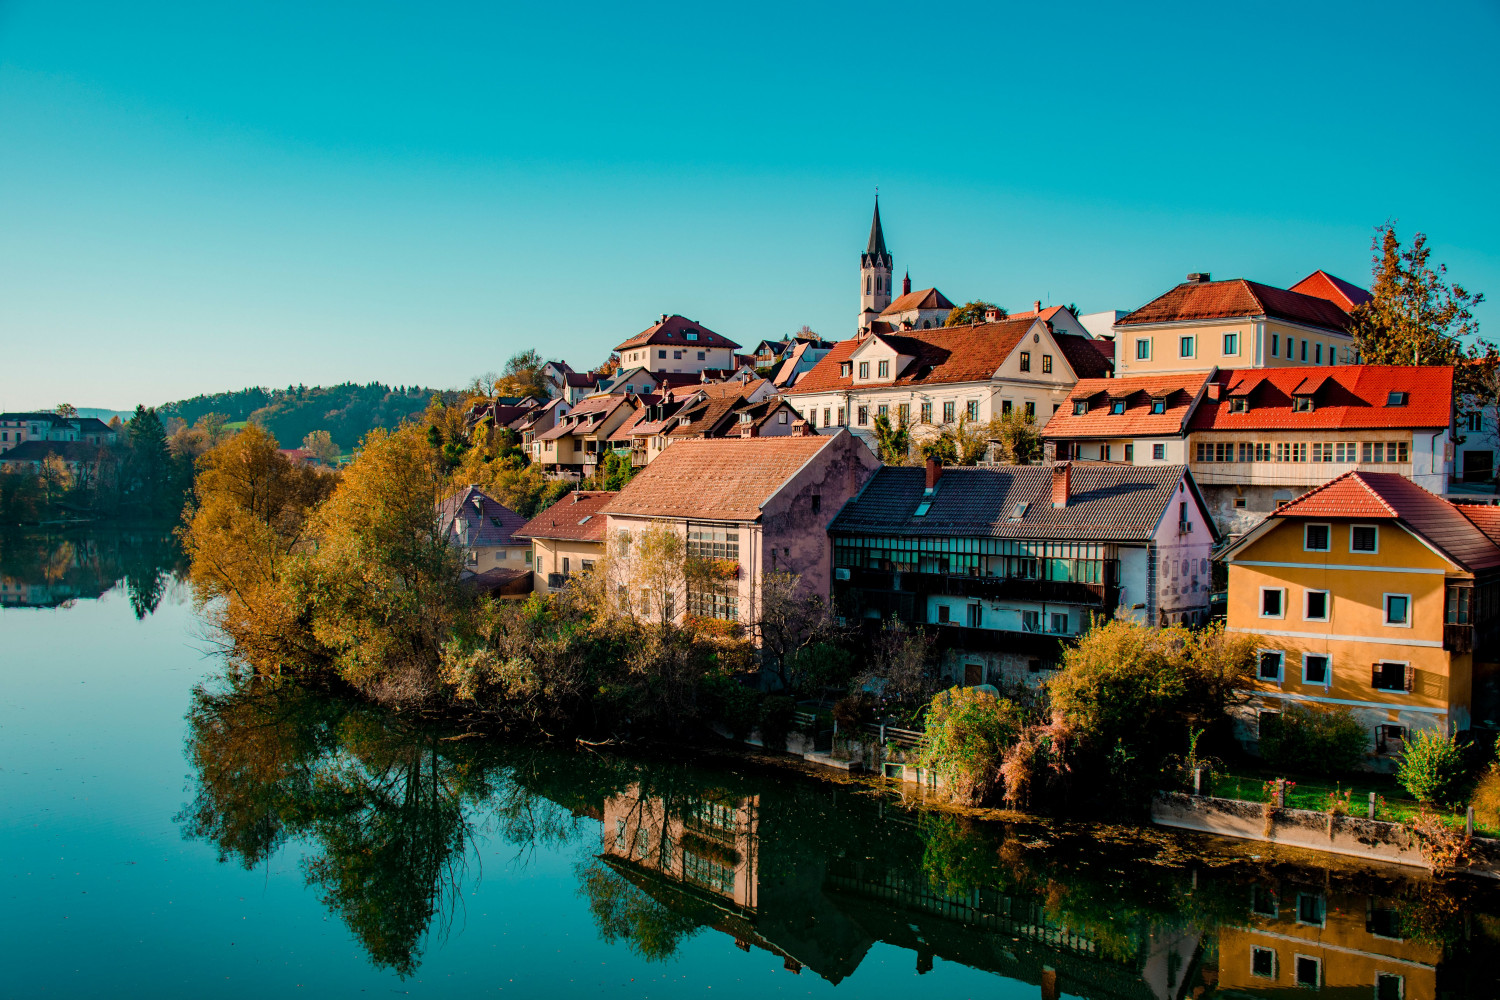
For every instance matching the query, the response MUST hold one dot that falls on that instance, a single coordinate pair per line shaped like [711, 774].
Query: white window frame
[1139, 354]
[1236, 352]
[1261, 607]
[1280, 665]
[1327, 605]
[1274, 962]
[1364, 552]
[1385, 611]
[1187, 346]
[1314, 959]
[1317, 524]
[1327, 680]
[1400, 981]
[1322, 920]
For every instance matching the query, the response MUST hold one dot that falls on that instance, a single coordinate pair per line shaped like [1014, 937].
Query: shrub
[776, 714]
[853, 710]
[1432, 767]
[1486, 799]
[1315, 741]
[968, 734]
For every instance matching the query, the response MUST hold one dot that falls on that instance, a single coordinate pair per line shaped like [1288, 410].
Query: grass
[1391, 804]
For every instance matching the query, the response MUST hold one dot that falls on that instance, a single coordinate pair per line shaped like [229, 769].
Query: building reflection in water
[45, 569]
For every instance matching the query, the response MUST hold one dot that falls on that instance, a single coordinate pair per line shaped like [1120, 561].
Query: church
[878, 313]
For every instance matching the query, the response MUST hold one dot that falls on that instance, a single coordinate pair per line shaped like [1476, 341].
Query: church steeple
[875, 266]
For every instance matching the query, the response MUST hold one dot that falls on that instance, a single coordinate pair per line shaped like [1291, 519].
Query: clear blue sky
[204, 196]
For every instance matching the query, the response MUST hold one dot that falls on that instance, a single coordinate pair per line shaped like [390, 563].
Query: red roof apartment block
[1346, 397]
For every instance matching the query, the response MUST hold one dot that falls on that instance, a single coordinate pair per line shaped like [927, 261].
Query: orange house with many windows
[1368, 592]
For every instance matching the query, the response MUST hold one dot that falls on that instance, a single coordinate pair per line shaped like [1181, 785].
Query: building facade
[676, 344]
[566, 539]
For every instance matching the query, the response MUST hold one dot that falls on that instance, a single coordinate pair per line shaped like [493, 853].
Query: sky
[201, 197]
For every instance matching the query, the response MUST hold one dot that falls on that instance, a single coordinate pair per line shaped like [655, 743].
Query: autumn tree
[972, 312]
[320, 445]
[657, 571]
[214, 426]
[892, 441]
[524, 376]
[66, 410]
[1417, 317]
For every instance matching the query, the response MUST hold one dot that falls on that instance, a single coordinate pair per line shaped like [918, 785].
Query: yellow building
[566, 538]
[1201, 325]
[1366, 592]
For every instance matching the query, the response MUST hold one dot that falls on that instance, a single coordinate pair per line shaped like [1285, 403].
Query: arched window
[867, 285]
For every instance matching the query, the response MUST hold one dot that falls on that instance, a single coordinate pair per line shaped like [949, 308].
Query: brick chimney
[1062, 483]
[992, 315]
[1036, 306]
[934, 473]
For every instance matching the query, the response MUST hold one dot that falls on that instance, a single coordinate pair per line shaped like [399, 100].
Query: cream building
[566, 539]
[676, 344]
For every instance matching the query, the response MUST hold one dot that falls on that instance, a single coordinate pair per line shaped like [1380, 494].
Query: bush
[968, 734]
[1316, 741]
[853, 710]
[776, 714]
[1432, 767]
[732, 703]
[1486, 799]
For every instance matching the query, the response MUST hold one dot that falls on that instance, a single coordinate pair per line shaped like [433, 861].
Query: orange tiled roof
[576, 517]
[945, 354]
[1322, 285]
[722, 479]
[922, 298]
[1345, 397]
[1235, 298]
[1138, 392]
[674, 330]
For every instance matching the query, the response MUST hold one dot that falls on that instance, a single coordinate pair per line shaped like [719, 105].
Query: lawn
[1391, 802]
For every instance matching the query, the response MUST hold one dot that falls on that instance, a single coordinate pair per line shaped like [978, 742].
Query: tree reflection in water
[50, 568]
[391, 813]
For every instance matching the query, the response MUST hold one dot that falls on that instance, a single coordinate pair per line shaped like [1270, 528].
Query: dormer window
[1080, 407]
[1397, 398]
[745, 418]
[1158, 406]
[1117, 407]
[691, 335]
[883, 369]
[1239, 404]
[1302, 404]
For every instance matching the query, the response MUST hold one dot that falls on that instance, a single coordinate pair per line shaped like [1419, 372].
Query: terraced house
[1371, 593]
[1006, 562]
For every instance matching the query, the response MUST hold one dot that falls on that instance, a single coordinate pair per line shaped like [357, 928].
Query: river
[171, 829]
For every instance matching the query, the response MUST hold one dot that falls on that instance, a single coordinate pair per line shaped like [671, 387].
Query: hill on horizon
[346, 411]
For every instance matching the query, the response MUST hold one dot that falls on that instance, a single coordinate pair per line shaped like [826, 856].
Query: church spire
[876, 253]
[875, 266]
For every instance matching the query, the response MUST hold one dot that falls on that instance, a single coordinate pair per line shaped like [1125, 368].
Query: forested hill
[345, 411]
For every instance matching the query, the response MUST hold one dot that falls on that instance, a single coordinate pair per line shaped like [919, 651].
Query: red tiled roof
[1346, 397]
[1235, 298]
[1389, 496]
[1485, 517]
[724, 478]
[576, 517]
[1138, 392]
[674, 330]
[923, 298]
[1322, 285]
[945, 354]
[1085, 356]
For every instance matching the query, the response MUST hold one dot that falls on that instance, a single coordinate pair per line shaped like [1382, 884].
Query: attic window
[1158, 406]
[691, 335]
[845, 368]
[1117, 407]
[1303, 404]
[1020, 510]
[1239, 404]
[1396, 398]
[585, 519]
[923, 508]
[1080, 407]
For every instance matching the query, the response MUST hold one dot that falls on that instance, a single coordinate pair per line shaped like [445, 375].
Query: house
[80, 458]
[18, 428]
[733, 415]
[1142, 419]
[538, 421]
[1204, 324]
[676, 344]
[484, 531]
[566, 538]
[1101, 325]
[927, 379]
[642, 381]
[578, 441]
[747, 507]
[1008, 562]
[1059, 318]
[1371, 593]
[801, 359]
[501, 411]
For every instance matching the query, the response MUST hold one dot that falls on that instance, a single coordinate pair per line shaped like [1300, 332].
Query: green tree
[320, 445]
[150, 460]
[66, 410]
[1431, 767]
[1018, 440]
[893, 443]
[972, 312]
[523, 376]
[968, 734]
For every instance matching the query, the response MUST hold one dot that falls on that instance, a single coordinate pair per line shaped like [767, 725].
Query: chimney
[1036, 306]
[1198, 278]
[934, 473]
[992, 315]
[1062, 483]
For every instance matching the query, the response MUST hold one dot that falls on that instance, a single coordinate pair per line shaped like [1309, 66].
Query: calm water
[168, 831]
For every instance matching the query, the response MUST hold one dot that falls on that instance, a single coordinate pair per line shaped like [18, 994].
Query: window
[529, 556]
[973, 409]
[975, 615]
[1275, 341]
[863, 416]
[1263, 963]
[1231, 344]
[1263, 901]
[883, 369]
[1302, 404]
[1398, 610]
[1458, 605]
[1383, 921]
[1240, 503]
[692, 336]
[926, 413]
[1158, 406]
[1474, 421]
[1031, 621]
[1315, 606]
[1104, 450]
[1159, 452]
[1304, 350]
[1080, 407]
[1309, 969]
[1026, 361]
[1310, 908]
[1117, 407]
[944, 614]
[1143, 350]
[817, 502]
[1389, 675]
[1389, 986]
[702, 356]
[1318, 353]
[845, 369]
[1396, 398]
[1046, 364]
[1315, 537]
[1130, 453]
[903, 414]
[1239, 404]
[841, 416]
[1030, 409]
[1364, 538]
[882, 410]
[661, 354]
[1315, 669]
[1005, 407]
[1186, 347]
[948, 411]
[1268, 663]
[826, 415]
[1272, 601]
[864, 369]
[1059, 623]
[781, 417]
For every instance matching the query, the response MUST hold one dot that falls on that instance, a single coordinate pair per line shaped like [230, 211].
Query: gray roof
[1108, 503]
[470, 518]
[38, 451]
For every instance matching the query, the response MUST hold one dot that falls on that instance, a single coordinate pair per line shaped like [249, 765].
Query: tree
[1416, 317]
[893, 444]
[213, 426]
[150, 460]
[1018, 440]
[963, 444]
[66, 410]
[968, 734]
[658, 570]
[524, 376]
[321, 446]
[972, 312]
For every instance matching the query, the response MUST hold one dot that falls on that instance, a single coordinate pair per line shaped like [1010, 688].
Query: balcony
[1458, 638]
[993, 588]
[992, 640]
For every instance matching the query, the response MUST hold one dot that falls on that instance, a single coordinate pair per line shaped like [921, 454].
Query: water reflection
[49, 569]
[391, 815]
